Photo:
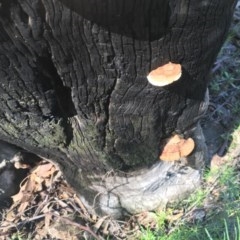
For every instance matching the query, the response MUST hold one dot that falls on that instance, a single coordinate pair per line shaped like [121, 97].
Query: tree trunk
[74, 89]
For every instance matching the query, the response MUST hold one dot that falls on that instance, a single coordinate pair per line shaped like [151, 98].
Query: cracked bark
[74, 89]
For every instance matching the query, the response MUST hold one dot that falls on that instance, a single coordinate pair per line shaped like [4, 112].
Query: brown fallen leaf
[45, 170]
[147, 219]
[217, 162]
[33, 183]
[176, 216]
[20, 165]
[99, 223]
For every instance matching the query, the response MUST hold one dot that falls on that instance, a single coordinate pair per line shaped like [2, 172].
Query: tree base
[121, 194]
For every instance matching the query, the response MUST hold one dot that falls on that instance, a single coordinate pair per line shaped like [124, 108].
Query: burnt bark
[73, 89]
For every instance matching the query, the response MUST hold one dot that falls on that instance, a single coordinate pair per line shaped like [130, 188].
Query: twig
[80, 204]
[5, 233]
[23, 222]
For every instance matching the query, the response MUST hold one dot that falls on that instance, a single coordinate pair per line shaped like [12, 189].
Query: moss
[84, 144]
[9, 129]
[49, 134]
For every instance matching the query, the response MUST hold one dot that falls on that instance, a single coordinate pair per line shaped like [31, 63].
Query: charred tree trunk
[73, 89]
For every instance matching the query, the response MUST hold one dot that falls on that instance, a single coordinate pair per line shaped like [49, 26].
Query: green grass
[147, 235]
[17, 236]
[228, 234]
[222, 214]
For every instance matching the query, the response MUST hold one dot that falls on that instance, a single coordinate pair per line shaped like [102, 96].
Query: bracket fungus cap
[177, 147]
[165, 74]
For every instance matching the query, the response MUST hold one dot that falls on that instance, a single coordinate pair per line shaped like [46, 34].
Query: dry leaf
[10, 216]
[99, 223]
[21, 165]
[48, 219]
[217, 162]
[147, 219]
[45, 170]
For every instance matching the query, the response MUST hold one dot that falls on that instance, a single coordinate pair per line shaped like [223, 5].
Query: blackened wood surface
[73, 83]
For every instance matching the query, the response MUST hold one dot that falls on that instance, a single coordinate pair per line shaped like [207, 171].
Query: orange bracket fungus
[165, 74]
[176, 148]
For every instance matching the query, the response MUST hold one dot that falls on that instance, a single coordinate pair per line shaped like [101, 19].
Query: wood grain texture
[73, 79]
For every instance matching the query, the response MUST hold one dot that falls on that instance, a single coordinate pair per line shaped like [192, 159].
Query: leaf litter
[46, 207]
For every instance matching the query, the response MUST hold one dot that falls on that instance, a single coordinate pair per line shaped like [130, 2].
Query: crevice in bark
[59, 96]
[107, 110]
[5, 8]
[22, 15]
[51, 80]
[41, 9]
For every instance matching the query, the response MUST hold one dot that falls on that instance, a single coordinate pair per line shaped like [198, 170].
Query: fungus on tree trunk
[165, 75]
[177, 147]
